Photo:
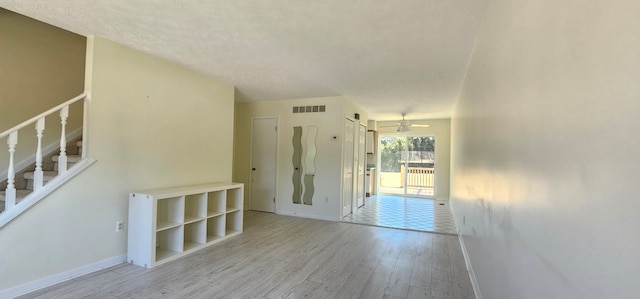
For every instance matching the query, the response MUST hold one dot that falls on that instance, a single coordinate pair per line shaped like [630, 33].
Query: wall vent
[309, 109]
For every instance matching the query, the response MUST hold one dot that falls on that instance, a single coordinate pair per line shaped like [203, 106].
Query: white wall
[545, 150]
[327, 181]
[152, 124]
[441, 129]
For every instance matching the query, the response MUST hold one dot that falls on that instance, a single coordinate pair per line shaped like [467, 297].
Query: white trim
[472, 275]
[47, 150]
[61, 277]
[250, 183]
[85, 125]
[36, 196]
[308, 215]
[275, 193]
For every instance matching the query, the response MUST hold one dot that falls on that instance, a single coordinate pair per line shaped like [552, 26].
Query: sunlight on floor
[406, 213]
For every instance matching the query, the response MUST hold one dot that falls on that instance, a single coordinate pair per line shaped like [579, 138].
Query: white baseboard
[61, 277]
[472, 275]
[308, 215]
[46, 150]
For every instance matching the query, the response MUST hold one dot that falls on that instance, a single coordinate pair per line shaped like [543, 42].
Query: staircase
[25, 178]
[27, 187]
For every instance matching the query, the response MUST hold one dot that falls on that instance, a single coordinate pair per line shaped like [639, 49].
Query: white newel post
[62, 160]
[38, 174]
[10, 195]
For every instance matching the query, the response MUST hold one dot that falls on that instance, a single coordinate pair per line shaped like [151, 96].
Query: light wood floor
[288, 257]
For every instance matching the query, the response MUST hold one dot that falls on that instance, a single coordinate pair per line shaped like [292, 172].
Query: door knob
[253, 169]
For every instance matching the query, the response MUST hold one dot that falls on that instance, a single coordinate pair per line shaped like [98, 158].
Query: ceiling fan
[405, 125]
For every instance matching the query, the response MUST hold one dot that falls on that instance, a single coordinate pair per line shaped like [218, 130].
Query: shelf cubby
[215, 228]
[233, 223]
[194, 235]
[216, 203]
[168, 243]
[170, 213]
[234, 199]
[195, 207]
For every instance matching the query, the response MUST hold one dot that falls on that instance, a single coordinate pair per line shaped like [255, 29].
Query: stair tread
[70, 158]
[47, 175]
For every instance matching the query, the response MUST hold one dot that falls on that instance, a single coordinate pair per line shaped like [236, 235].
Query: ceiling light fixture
[405, 126]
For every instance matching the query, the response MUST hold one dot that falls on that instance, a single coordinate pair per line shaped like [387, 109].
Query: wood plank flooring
[288, 257]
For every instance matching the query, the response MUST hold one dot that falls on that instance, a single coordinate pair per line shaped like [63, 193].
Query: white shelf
[229, 232]
[167, 223]
[192, 245]
[214, 239]
[163, 225]
[215, 214]
[229, 210]
[191, 219]
[163, 254]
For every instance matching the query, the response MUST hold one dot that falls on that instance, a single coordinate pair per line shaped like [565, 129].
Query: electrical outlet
[119, 226]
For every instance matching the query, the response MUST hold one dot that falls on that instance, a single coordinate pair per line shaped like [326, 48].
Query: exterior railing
[420, 177]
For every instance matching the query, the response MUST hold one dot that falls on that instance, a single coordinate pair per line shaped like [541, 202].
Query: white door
[361, 164]
[263, 164]
[347, 183]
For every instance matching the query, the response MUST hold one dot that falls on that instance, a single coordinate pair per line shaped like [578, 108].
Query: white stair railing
[62, 160]
[10, 195]
[39, 174]
[12, 141]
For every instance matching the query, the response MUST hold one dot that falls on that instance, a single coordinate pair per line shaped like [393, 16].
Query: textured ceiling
[387, 56]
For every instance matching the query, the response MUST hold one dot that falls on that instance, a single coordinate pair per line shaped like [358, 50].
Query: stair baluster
[10, 195]
[62, 160]
[37, 179]
[38, 174]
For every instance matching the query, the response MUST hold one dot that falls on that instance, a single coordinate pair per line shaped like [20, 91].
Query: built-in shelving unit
[165, 224]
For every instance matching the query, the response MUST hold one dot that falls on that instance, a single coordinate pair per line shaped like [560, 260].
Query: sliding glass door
[407, 165]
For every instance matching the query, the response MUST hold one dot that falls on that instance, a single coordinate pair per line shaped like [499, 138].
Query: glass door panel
[420, 163]
[392, 164]
[407, 165]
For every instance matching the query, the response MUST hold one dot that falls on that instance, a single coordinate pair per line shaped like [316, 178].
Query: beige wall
[327, 181]
[545, 150]
[441, 129]
[152, 124]
[42, 66]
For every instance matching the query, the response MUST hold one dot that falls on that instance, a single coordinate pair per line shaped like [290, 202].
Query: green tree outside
[392, 148]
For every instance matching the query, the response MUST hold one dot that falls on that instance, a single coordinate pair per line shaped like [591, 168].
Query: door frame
[250, 189]
[362, 161]
[344, 140]
[435, 166]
